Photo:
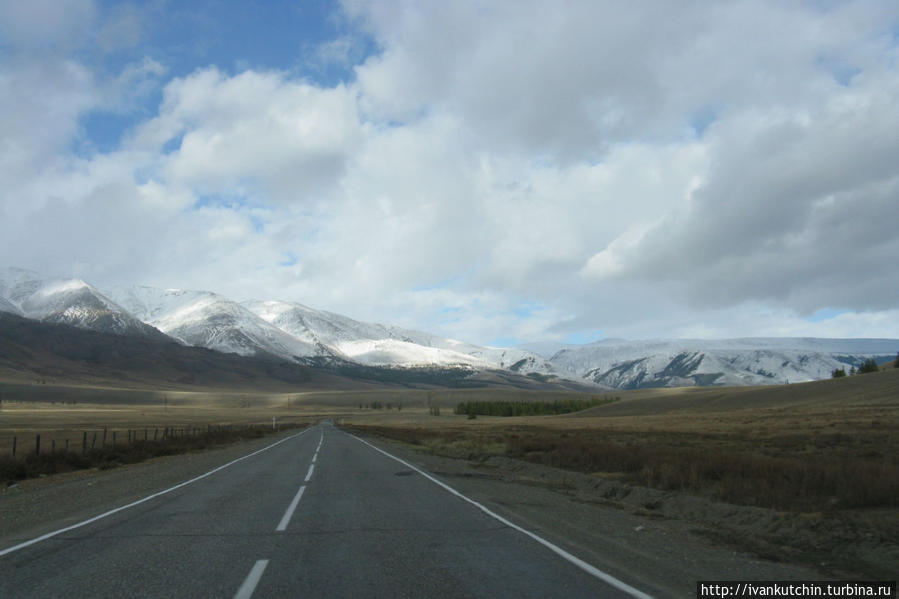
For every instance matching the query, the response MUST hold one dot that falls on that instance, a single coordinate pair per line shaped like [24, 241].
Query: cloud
[793, 210]
[253, 132]
[46, 25]
[495, 170]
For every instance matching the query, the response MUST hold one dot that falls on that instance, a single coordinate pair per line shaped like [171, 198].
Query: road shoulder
[37, 506]
[632, 541]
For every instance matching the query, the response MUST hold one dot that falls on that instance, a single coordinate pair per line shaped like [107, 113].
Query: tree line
[528, 408]
[869, 365]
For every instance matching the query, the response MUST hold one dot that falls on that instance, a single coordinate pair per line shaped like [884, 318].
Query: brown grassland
[815, 446]
[823, 445]
[823, 455]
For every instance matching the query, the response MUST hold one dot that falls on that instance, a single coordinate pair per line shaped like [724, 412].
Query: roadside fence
[110, 438]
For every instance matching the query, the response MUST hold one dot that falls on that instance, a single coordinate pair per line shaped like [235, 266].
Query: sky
[498, 172]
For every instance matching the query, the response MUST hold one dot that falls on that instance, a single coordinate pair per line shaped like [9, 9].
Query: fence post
[53, 446]
[104, 436]
[67, 445]
[113, 438]
[94, 441]
[14, 440]
[83, 442]
[155, 432]
[37, 444]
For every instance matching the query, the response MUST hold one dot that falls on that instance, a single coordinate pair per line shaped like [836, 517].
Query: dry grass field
[822, 445]
[823, 457]
[814, 446]
[74, 411]
[60, 412]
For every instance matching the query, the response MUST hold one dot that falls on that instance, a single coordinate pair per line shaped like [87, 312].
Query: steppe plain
[800, 479]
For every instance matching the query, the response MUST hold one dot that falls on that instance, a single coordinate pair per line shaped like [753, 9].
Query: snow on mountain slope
[678, 362]
[205, 319]
[392, 352]
[294, 331]
[66, 301]
[8, 306]
[376, 344]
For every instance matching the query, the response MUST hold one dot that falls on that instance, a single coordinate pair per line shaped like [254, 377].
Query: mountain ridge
[303, 335]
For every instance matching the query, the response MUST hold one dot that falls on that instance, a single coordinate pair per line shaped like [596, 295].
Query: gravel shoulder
[670, 540]
[38, 506]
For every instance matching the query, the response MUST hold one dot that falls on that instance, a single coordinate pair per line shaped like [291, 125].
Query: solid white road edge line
[249, 585]
[140, 501]
[608, 578]
[289, 513]
[309, 474]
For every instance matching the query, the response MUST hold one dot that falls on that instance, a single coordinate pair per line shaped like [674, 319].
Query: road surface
[317, 514]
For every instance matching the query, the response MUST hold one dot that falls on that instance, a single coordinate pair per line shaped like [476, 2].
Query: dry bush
[810, 482]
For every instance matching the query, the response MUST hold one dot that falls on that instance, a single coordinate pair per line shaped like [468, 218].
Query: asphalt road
[320, 514]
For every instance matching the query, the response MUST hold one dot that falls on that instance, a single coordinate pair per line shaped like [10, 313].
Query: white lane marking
[249, 585]
[608, 578]
[289, 513]
[140, 501]
[309, 474]
[314, 457]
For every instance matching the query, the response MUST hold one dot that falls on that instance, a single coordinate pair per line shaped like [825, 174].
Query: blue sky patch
[701, 119]
[290, 259]
[825, 314]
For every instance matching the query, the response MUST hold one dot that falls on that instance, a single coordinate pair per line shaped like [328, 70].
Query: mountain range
[306, 336]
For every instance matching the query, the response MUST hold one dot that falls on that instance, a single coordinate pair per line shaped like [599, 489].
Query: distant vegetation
[869, 365]
[529, 408]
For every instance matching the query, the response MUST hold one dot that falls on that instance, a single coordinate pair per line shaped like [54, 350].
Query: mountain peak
[295, 332]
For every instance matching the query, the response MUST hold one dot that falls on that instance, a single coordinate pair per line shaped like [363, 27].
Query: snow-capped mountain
[299, 333]
[205, 319]
[380, 345]
[679, 362]
[66, 301]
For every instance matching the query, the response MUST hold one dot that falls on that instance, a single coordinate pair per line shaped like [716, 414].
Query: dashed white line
[285, 520]
[608, 578]
[140, 501]
[249, 585]
[290, 509]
